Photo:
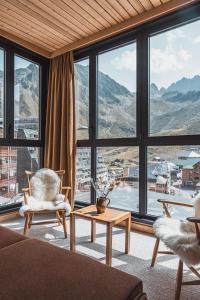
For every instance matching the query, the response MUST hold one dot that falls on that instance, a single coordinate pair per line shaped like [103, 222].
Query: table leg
[72, 232]
[93, 231]
[109, 245]
[127, 235]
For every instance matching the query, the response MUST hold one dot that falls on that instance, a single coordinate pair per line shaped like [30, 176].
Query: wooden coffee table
[111, 218]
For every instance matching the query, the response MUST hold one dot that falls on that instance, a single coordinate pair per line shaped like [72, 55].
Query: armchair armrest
[166, 202]
[172, 202]
[194, 220]
[26, 192]
[66, 189]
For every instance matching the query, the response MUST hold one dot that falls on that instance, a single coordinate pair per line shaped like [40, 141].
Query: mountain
[26, 91]
[174, 110]
[178, 88]
[185, 85]
[155, 91]
[114, 102]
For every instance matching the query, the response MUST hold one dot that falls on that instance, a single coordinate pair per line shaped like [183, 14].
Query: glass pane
[26, 96]
[2, 80]
[120, 164]
[82, 99]
[175, 81]
[173, 173]
[83, 175]
[116, 85]
[13, 163]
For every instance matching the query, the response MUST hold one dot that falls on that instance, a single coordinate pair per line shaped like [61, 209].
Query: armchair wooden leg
[26, 224]
[30, 220]
[155, 252]
[58, 217]
[64, 225]
[179, 279]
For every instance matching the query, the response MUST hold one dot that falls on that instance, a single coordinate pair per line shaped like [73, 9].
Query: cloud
[197, 40]
[172, 56]
[125, 61]
[184, 55]
[174, 34]
[168, 59]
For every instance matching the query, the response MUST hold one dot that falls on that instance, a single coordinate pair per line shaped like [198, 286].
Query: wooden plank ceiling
[52, 27]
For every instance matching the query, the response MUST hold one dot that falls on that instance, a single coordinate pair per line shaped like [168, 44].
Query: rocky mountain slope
[174, 110]
[26, 91]
[115, 102]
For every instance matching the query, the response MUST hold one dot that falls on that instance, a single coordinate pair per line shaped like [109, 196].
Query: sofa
[33, 269]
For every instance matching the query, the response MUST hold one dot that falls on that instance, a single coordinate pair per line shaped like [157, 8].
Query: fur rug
[180, 236]
[44, 190]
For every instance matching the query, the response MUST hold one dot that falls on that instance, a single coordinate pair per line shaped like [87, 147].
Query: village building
[191, 175]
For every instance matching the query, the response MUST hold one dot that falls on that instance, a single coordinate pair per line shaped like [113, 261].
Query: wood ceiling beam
[130, 23]
[24, 43]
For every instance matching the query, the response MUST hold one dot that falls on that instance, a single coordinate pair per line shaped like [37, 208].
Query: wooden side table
[110, 218]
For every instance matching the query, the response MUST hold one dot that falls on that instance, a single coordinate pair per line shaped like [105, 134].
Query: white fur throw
[45, 185]
[180, 236]
[44, 193]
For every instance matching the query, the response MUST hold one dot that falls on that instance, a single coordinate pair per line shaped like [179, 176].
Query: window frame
[141, 35]
[10, 50]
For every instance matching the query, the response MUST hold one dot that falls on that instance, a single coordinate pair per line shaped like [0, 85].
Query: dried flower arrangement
[103, 187]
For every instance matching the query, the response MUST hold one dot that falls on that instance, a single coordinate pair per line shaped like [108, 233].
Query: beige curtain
[60, 140]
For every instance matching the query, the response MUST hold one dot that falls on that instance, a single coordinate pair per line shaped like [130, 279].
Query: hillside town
[177, 178]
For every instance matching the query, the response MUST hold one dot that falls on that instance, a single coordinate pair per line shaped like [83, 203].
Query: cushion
[45, 185]
[180, 237]
[9, 237]
[34, 269]
[34, 204]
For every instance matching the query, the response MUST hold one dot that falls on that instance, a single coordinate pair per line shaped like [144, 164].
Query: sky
[19, 62]
[173, 55]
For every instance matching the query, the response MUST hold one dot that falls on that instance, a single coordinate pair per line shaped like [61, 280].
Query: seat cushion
[180, 237]
[34, 269]
[9, 237]
[36, 205]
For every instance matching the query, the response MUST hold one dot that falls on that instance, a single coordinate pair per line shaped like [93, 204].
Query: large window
[2, 84]
[13, 163]
[82, 99]
[22, 92]
[104, 114]
[175, 81]
[116, 87]
[173, 172]
[26, 97]
[83, 175]
[122, 165]
[138, 98]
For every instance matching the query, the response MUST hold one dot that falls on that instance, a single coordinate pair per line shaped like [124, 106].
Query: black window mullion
[92, 119]
[143, 115]
[9, 97]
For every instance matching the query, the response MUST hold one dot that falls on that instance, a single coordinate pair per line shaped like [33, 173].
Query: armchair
[45, 194]
[182, 238]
